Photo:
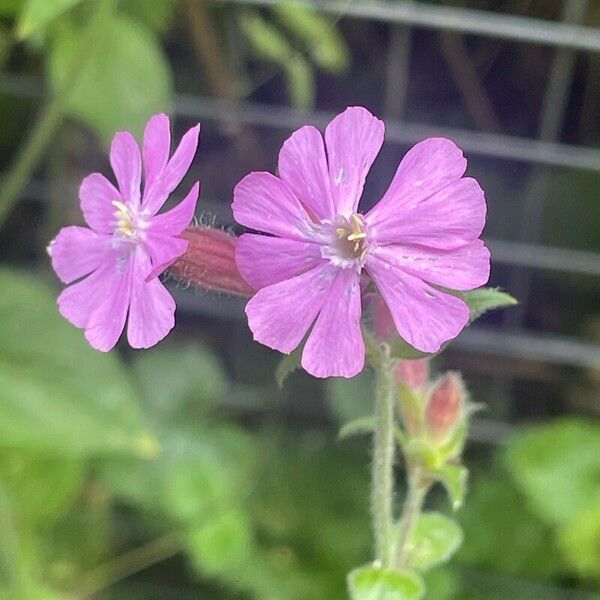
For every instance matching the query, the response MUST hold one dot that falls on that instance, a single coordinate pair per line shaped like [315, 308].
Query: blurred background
[185, 471]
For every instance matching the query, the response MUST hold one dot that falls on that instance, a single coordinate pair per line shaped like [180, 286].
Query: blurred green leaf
[356, 427]
[221, 544]
[57, 394]
[40, 488]
[497, 511]
[269, 43]
[483, 300]
[322, 40]
[10, 8]
[38, 14]
[436, 538]
[351, 399]
[126, 81]
[158, 14]
[557, 468]
[454, 479]
[287, 365]
[375, 583]
[179, 383]
[579, 541]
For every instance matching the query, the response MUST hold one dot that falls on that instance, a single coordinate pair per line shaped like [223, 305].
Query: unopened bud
[445, 407]
[412, 373]
[209, 262]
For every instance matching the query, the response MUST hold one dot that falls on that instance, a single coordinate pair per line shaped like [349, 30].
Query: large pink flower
[127, 245]
[420, 237]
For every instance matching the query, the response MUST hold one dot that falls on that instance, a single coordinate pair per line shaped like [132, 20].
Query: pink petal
[264, 260]
[353, 140]
[77, 302]
[424, 316]
[126, 163]
[156, 194]
[279, 315]
[152, 308]
[303, 166]
[163, 250]
[452, 217]
[174, 221]
[107, 320]
[265, 203]
[335, 347]
[156, 146]
[426, 168]
[77, 251]
[464, 268]
[97, 194]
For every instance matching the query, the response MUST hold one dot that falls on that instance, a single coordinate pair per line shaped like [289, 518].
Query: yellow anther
[341, 232]
[357, 236]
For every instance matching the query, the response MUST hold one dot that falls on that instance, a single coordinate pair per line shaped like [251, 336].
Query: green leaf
[38, 14]
[579, 541]
[321, 39]
[57, 394]
[157, 15]
[180, 382]
[375, 583]
[402, 349]
[288, 364]
[454, 479]
[362, 425]
[436, 538]
[556, 466]
[127, 80]
[482, 300]
[269, 43]
[351, 399]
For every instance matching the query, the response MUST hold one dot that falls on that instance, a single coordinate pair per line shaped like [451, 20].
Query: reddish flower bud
[412, 373]
[445, 407]
[209, 262]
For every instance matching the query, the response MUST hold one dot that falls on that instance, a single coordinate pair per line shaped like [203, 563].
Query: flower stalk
[382, 492]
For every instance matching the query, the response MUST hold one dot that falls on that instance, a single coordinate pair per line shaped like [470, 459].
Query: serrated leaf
[483, 300]
[358, 426]
[376, 583]
[57, 394]
[127, 79]
[38, 14]
[454, 479]
[287, 365]
[435, 539]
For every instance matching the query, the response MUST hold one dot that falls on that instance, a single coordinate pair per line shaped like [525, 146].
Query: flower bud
[412, 373]
[444, 411]
[209, 262]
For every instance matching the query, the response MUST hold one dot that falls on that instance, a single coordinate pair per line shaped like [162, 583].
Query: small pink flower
[423, 233]
[127, 245]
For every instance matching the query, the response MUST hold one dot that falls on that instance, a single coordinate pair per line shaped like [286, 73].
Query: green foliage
[126, 81]
[157, 15]
[436, 538]
[39, 14]
[351, 399]
[454, 479]
[375, 583]
[287, 365]
[319, 38]
[47, 371]
[483, 300]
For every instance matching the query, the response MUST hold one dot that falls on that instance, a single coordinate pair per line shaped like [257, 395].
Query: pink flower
[420, 237]
[118, 258]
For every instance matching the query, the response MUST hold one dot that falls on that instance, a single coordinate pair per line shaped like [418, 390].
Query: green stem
[52, 114]
[128, 564]
[413, 505]
[383, 461]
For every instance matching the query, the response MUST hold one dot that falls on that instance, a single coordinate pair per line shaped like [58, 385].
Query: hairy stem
[413, 505]
[52, 114]
[382, 490]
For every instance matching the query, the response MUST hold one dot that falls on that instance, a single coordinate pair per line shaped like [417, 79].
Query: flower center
[346, 241]
[351, 236]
